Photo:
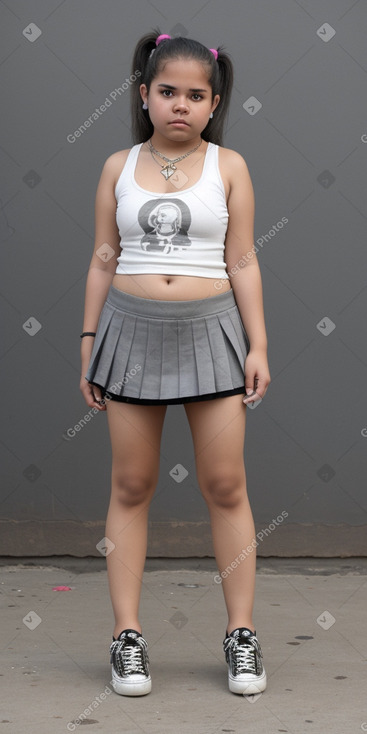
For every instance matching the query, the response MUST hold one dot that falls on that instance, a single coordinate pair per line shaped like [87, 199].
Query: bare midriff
[170, 287]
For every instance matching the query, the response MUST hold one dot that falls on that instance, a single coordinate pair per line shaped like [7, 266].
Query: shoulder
[230, 159]
[233, 168]
[114, 164]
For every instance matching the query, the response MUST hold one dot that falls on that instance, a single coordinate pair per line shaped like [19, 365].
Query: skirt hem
[169, 401]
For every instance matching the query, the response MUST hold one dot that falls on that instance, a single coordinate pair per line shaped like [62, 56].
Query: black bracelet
[88, 333]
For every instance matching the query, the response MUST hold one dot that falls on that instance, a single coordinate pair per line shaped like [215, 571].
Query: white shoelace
[245, 660]
[132, 656]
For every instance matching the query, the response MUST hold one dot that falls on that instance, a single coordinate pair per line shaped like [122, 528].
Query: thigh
[218, 432]
[135, 433]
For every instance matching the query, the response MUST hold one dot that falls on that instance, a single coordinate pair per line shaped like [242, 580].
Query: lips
[179, 122]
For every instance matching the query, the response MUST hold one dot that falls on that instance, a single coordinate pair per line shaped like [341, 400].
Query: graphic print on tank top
[165, 223]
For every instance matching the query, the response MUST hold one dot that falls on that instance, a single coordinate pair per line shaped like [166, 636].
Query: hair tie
[162, 37]
[214, 52]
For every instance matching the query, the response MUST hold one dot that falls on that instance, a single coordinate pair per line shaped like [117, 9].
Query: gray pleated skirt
[165, 352]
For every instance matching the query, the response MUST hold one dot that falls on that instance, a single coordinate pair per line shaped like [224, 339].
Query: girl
[173, 309]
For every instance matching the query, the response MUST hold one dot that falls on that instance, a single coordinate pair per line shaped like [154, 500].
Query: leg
[135, 432]
[218, 431]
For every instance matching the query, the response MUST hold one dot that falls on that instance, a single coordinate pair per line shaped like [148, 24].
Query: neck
[173, 148]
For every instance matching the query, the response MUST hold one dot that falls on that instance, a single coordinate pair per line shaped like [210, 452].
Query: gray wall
[306, 150]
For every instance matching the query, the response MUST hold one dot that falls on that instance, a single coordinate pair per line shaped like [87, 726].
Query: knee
[132, 489]
[224, 490]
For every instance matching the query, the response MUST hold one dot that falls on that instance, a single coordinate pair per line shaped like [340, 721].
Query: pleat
[203, 357]
[237, 342]
[118, 345]
[239, 329]
[152, 366]
[97, 363]
[137, 358]
[170, 366]
[187, 372]
[220, 356]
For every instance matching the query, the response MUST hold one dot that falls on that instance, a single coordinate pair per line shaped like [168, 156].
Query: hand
[257, 376]
[92, 394]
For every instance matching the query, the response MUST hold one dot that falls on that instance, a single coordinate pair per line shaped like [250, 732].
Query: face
[180, 100]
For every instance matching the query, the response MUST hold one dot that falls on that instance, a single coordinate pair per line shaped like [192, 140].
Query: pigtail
[222, 83]
[141, 126]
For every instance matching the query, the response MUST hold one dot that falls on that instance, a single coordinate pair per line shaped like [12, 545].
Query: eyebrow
[169, 86]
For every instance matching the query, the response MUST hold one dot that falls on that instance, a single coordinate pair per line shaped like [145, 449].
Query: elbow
[103, 259]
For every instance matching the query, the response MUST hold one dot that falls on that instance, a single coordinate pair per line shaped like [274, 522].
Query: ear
[216, 101]
[143, 92]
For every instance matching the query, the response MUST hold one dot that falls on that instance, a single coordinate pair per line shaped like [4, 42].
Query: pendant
[168, 170]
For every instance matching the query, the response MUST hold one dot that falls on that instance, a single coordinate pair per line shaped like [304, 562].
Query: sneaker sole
[247, 689]
[131, 688]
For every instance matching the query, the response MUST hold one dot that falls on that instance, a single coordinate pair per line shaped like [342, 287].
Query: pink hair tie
[214, 52]
[162, 37]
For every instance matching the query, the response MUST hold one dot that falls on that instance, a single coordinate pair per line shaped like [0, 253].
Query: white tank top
[179, 233]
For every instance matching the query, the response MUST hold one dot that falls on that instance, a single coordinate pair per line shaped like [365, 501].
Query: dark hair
[149, 65]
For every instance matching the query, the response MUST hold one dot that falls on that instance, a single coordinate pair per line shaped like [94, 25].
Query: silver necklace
[168, 169]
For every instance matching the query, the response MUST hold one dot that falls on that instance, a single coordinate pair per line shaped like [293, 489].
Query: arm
[100, 272]
[244, 272]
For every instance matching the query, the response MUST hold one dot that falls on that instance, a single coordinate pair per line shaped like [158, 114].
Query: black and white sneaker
[130, 664]
[246, 673]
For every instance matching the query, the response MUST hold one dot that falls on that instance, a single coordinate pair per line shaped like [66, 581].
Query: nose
[181, 104]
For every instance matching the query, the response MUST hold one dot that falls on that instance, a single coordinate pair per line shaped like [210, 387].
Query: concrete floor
[310, 617]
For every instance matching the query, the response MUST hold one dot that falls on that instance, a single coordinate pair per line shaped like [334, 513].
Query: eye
[166, 92]
[196, 96]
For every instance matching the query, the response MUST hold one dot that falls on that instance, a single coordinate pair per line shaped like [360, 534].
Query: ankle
[121, 627]
[231, 627]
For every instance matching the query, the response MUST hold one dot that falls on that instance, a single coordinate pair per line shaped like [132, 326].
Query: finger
[261, 385]
[256, 384]
[250, 387]
[251, 396]
[94, 397]
[254, 391]
[98, 397]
